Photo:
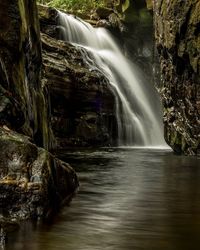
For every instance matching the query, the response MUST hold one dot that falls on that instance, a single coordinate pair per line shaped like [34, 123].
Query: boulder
[33, 183]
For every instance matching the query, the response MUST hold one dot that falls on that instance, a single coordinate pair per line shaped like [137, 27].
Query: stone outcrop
[177, 32]
[48, 21]
[82, 103]
[21, 94]
[32, 182]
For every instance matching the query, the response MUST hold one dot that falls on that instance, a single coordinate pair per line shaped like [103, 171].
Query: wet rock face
[32, 182]
[81, 101]
[20, 63]
[82, 104]
[48, 21]
[178, 43]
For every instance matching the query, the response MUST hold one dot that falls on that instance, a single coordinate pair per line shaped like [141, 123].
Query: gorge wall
[176, 63]
[32, 180]
[22, 106]
[177, 34]
[50, 99]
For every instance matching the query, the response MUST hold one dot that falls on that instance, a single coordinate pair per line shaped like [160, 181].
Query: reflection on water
[128, 200]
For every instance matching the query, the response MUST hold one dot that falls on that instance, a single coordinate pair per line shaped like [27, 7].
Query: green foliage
[73, 5]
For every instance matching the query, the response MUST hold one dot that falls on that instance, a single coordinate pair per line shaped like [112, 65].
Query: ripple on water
[129, 199]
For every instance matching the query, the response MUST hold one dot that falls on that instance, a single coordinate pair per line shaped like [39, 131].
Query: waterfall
[139, 124]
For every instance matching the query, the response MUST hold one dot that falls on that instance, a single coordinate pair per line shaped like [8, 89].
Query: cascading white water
[138, 122]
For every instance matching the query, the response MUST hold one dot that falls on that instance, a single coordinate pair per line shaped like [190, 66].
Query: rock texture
[48, 21]
[22, 103]
[32, 182]
[177, 32]
[82, 103]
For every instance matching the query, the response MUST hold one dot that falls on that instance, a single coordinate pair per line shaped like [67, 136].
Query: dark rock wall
[33, 183]
[22, 103]
[82, 103]
[177, 32]
[48, 21]
[137, 35]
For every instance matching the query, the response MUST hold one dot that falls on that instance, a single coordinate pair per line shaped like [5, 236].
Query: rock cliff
[82, 103]
[177, 34]
[49, 99]
[20, 64]
[32, 181]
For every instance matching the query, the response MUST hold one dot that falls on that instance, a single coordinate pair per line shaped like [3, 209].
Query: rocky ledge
[33, 183]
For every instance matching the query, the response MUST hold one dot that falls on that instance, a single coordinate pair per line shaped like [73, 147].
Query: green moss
[145, 18]
[149, 4]
[75, 6]
[125, 5]
[138, 13]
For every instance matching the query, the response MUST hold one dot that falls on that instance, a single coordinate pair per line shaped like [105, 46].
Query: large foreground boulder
[33, 183]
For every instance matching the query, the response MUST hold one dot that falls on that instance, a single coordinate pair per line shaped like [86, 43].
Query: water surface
[129, 199]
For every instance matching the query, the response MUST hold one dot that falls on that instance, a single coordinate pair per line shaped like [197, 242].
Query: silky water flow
[139, 121]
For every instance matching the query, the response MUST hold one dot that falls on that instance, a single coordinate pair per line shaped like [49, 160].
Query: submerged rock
[178, 44]
[7, 225]
[32, 182]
